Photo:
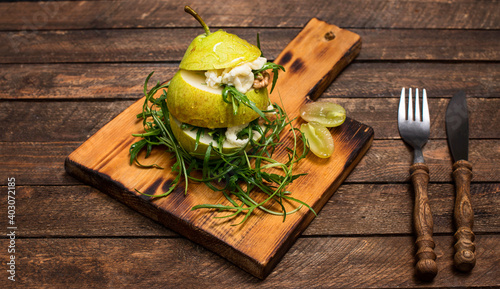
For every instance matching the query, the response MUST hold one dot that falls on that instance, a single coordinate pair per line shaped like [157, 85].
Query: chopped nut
[262, 80]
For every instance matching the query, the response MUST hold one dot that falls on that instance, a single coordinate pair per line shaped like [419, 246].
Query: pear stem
[197, 17]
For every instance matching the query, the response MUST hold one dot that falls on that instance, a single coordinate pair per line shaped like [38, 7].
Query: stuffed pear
[216, 121]
[221, 83]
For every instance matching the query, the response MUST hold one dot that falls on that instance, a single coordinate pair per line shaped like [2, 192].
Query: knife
[457, 129]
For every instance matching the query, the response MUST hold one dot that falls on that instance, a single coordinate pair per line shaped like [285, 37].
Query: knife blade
[457, 126]
[457, 129]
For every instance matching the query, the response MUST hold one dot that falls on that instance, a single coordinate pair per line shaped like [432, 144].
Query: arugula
[249, 178]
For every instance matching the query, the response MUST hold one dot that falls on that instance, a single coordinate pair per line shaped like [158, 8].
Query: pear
[187, 139]
[216, 50]
[191, 101]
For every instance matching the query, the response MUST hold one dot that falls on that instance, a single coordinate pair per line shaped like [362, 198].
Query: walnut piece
[261, 80]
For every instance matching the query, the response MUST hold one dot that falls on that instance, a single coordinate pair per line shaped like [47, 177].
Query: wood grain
[75, 120]
[426, 267]
[464, 258]
[354, 210]
[347, 262]
[72, 235]
[127, 45]
[38, 163]
[372, 209]
[124, 80]
[437, 157]
[310, 58]
[165, 14]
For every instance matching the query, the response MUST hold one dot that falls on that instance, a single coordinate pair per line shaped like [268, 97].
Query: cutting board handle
[465, 258]
[422, 217]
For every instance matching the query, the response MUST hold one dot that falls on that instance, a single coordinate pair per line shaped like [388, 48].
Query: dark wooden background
[69, 67]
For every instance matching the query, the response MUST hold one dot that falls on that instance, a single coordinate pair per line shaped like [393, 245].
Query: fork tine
[425, 108]
[417, 106]
[410, 105]
[402, 110]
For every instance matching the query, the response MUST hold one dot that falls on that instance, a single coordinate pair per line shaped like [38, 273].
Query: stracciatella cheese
[241, 76]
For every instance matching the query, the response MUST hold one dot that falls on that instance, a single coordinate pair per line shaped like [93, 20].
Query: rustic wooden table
[69, 67]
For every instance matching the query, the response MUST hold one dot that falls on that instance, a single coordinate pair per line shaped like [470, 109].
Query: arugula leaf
[231, 95]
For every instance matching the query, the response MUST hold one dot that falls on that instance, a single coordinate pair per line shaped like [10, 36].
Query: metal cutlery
[457, 129]
[414, 128]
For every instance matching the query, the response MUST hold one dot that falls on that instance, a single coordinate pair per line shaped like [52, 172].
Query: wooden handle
[422, 217]
[465, 258]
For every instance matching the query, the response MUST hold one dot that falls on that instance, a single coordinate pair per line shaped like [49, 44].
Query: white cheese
[241, 76]
[232, 139]
[271, 112]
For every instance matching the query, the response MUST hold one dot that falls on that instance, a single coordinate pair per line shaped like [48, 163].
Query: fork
[414, 128]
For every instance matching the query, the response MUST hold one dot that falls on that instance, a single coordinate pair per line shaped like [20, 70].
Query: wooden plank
[127, 45]
[125, 80]
[312, 60]
[80, 81]
[87, 213]
[434, 45]
[378, 209]
[77, 120]
[442, 80]
[381, 114]
[56, 121]
[354, 210]
[357, 262]
[77, 211]
[36, 163]
[337, 254]
[483, 155]
[41, 163]
[461, 14]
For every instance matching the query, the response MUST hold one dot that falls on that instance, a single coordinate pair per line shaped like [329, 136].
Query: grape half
[326, 113]
[319, 139]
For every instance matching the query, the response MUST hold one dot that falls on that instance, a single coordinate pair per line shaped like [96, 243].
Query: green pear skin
[192, 102]
[218, 50]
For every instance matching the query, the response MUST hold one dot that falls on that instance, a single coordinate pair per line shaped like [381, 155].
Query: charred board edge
[118, 191]
[144, 206]
[327, 80]
[364, 136]
[347, 57]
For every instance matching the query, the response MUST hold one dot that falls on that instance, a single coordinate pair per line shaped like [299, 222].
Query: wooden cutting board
[312, 60]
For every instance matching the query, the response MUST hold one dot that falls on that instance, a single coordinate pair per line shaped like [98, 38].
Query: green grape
[319, 139]
[326, 113]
